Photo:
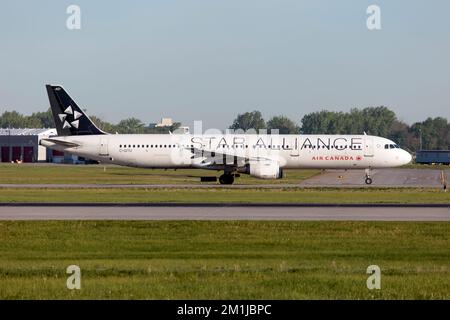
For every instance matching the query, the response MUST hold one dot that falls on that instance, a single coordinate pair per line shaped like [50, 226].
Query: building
[168, 122]
[433, 157]
[22, 145]
[165, 122]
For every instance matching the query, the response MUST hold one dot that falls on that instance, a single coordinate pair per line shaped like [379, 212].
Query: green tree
[12, 119]
[283, 124]
[44, 119]
[434, 132]
[249, 120]
[401, 133]
[130, 125]
[104, 125]
[372, 120]
[378, 120]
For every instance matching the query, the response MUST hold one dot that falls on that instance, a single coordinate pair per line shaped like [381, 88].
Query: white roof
[27, 132]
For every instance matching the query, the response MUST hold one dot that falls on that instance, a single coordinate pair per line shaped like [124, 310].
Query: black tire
[226, 179]
[369, 180]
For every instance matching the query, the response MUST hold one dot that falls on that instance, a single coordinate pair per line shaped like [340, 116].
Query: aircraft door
[368, 146]
[103, 147]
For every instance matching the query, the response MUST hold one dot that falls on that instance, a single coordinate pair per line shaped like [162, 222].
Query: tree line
[432, 133]
[13, 119]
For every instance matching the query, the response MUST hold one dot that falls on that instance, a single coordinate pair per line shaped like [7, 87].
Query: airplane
[263, 156]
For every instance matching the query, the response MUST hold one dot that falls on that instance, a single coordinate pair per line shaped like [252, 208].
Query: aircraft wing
[228, 157]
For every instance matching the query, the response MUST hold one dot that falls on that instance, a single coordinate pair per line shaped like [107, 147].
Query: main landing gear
[368, 179]
[226, 178]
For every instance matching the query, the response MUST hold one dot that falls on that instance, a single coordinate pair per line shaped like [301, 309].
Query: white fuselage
[219, 151]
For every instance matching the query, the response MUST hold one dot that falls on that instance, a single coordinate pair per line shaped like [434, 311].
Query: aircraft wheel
[226, 179]
[368, 180]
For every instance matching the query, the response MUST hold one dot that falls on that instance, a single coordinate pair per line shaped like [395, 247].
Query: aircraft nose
[406, 157]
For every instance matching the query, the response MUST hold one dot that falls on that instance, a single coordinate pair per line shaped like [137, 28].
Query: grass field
[79, 174]
[111, 174]
[220, 259]
[224, 260]
[426, 166]
[97, 174]
[255, 195]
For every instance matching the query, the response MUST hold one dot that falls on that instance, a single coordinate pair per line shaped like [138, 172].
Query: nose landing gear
[368, 179]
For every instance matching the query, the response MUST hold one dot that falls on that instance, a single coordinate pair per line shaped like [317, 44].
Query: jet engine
[265, 169]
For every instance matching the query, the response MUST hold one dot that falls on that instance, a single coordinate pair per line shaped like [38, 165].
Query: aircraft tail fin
[70, 120]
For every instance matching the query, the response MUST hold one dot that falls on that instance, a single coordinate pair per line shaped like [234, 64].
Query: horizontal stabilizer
[66, 144]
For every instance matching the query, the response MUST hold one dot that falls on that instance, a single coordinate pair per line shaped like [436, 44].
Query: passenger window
[120, 146]
[386, 146]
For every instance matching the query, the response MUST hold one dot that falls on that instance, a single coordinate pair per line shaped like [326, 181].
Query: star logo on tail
[74, 115]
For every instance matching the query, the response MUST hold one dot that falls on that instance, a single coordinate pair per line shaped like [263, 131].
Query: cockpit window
[391, 146]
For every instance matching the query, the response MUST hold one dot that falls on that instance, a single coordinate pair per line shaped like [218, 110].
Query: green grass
[79, 174]
[97, 174]
[426, 166]
[224, 260]
[290, 195]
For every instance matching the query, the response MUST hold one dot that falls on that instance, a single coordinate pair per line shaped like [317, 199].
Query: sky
[212, 59]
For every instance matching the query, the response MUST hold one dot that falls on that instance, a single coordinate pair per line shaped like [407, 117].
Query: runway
[226, 212]
[424, 178]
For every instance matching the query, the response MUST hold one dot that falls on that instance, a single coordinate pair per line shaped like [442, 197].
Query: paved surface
[191, 212]
[381, 178]
[425, 178]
